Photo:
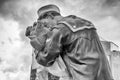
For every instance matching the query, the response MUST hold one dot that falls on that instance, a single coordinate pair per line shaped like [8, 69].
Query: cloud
[21, 11]
[111, 2]
[15, 9]
[108, 28]
[15, 57]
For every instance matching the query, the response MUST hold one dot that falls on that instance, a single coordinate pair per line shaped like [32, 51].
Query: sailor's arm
[52, 49]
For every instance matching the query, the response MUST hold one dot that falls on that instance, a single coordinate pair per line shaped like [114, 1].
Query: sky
[16, 15]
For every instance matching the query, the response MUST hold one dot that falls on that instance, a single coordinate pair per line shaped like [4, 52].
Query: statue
[68, 46]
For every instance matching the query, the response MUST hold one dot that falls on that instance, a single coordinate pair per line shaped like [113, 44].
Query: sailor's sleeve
[52, 50]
